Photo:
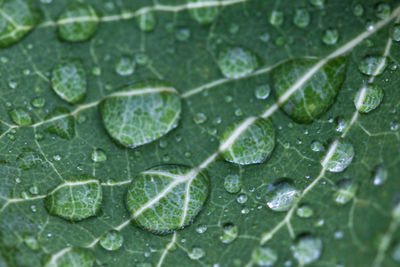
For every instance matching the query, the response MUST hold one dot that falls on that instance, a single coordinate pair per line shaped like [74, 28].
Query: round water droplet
[146, 21]
[318, 3]
[17, 19]
[77, 23]
[230, 233]
[358, 10]
[196, 253]
[330, 37]
[68, 80]
[141, 113]
[199, 118]
[382, 11]
[201, 228]
[75, 199]
[264, 256]
[38, 102]
[341, 124]
[316, 95]
[307, 249]
[317, 146]
[99, 155]
[34, 190]
[112, 240]
[203, 15]
[64, 127]
[396, 33]
[304, 211]
[372, 65]
[345, 191]
[233, 183]
[32, 242]
[276, 18]
[237, 62]
[20, 117]
[182, 34]
[248, 142]
[380, 175]
[262, 91]
[342, 156]
[167, 197]
[301, 18]
[368, 98]
[73, 257]
[241, 199]
[125, 66]
[281, 195]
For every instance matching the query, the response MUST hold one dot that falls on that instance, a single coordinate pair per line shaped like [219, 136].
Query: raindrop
[230, 233]
[345, 191]
[262, 91]
[342, 156]
[368, 98]
[318, 3]
[396, 253]
[38, 102]
[358, 10]
[330, 36]
[233, 183]
[112, 240]
[396, 32]
[264, 256]
[276, 18]
[196, 253]
[202, 228]
[304, 211]
[182, 34]
[99, 155]
[237, 62]
[382, 11]
[146, 21]
[301, 18]
[281, 195]
[307, 249]
[20, 117]
[380, 175]
[372, 65]
[125, 66]
[241, 199]
[199, 118]
[31, 242]
[203, 15]
[317, 146]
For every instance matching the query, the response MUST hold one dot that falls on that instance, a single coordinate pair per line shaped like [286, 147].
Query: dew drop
[372, 65]
[304, 211]
[112, 240]
[345, 191]
[396, 33]
[264, 256]
[63, 127]
[230, 233]
[125, 66]
[241, 199]
[317, 146]
[196, 253]
[203, 15]
[262, 91]
[341, 124]
[34, 190]
[368, 98]
[358, 10]
[382, 11]
[199, 118]
[281, 195]
[182, 34]
[29, 159]
[342, 156]
[20, 117]
[202, 228]
[301, 18]
[318, 3]
[99, 155]
[237, 62]
[307, 249]
[146, 21]
[276, 18]
[38, 102]
[330, 36]
[233, 183]
[380, 175]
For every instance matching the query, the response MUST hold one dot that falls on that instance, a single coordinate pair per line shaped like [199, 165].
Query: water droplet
[96, 71]
[75, 199]
[372, 65]
[29, 159]
[341, 124]
[112, 240]
[241, 199]
[368, 98]
[317, 146]
[264, 256]
[254, 144]
[34, 190]
[199, 118]
[265, 37]
[238, 112]
[316, 95]
[301, 18]
[146, 21]
[68, 80]
[237, 62]
[196, 253]
[276, 18]
[147, 200]
[341, 157]
[396, 33]
[57, 157]
[38, 102]
[20, 117]
[382, 11]
[32, 242]
[230, 233]
[202, 228]
[63, 127]
[396, 252]
[141, 113]
[233, 183]
[72, 28]
[330, 37]
[281, 195]
[338, 234]
[141, 59]
[358, 10]
[262, 91]
[380, 175]
[125, 66]
[99, 155]
[307, 249]
[17, 19]
[75, 256]
[182, 34]
[304, 211]
[318, 3]
[345, 191]
[203, 15]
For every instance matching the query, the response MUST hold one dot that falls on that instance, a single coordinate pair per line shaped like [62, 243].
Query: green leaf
[199, 133]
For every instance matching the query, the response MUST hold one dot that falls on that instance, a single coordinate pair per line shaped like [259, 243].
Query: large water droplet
[301, 18]
[237, 62]
[254, 142]
[203, 15]
[316, 95]
[62, 124]
[146, 21]
[368, 98]
[281, 195]
[141, 113]
[382, 11]
[68, 80]
[17, 19]
[75, 199]
[233, 183]
[112, 240]
[230, 233]
[345, 191]
[307, 249]
[20, 117]
[77, 23]
[167, 197]
[372, 65]
[264, 256]
[342, 156]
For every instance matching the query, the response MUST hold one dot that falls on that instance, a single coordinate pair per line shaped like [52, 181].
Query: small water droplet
[99, 155]
[281, 195]
[38, 102]
[199, 118]
[112, 240]
[230, 233]
[382, 10]
[237, 62]
[330, 36]
[241, 199]
[307, 249]
[358, 10]
[380, 175]
[264, 256]
[202, 228]
[196, 253]
[368, 98]
[233, 183]
[317, 146]
[301, 18]
[276, 18]
[146, 21]
[372, 65]
[342, 156]
[396, 33]
[345, 191]
[304, 211]
[182, 34]
[125, 66]
[262, 91]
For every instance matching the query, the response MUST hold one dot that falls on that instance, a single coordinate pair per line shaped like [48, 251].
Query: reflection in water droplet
[368, 98]
[112, 240]
[230, 233]
[264, 256]
[372, 65]
[202, 228]
[281, 195]
[262, 91]
[317, 146]
[307, 249]
[346, 190]
[341, 157]
[241, 199]
[233, 183]
[396, 33]
[237, 62]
